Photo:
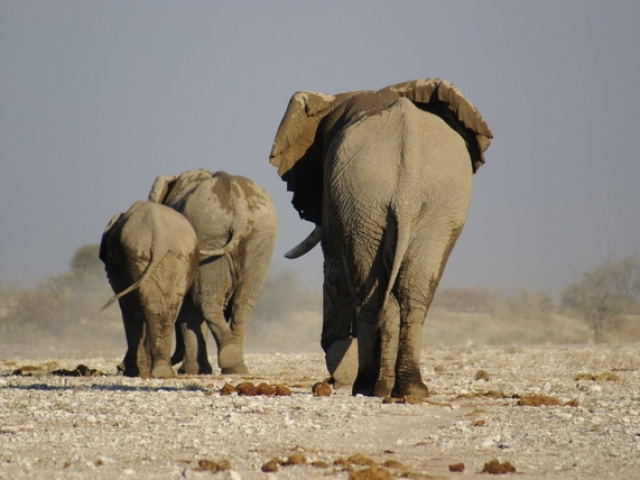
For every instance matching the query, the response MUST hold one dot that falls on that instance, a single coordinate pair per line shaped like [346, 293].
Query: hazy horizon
[98, 98]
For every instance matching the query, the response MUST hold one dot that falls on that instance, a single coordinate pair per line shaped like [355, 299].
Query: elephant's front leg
[192, 334]
[178, 353]
[338, 327]
[368, 358]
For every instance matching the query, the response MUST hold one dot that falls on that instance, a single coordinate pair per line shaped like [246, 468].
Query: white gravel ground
[110, 427]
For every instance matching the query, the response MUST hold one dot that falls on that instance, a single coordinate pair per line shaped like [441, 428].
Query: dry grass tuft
[544, 401]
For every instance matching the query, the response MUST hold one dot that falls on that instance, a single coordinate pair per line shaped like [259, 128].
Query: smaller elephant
[151, 254]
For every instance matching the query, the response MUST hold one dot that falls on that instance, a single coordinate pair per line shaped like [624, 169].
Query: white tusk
[307, 244]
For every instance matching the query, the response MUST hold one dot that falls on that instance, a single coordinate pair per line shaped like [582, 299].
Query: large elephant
[386, 178]
[150, 254]
[233, 214]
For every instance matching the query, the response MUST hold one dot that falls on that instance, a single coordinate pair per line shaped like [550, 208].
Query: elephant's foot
[131, 372]
[418, 390]
[163, 371]
[127, 371]
[410, 386]
[365, 383]
[342, 361]
[239, 369]
[205, 366]
[230, 360]
[177, 357]
[384, 386]
[190, 368]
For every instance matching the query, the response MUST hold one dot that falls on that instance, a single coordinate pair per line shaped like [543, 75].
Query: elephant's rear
[398, 176]
[150, 254]
[398, 195]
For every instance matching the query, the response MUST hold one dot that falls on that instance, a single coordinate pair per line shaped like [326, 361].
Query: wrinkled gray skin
[386, 178]
[235, 216]
[150, 254]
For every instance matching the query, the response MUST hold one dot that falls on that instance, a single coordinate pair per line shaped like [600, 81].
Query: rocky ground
[537, 412]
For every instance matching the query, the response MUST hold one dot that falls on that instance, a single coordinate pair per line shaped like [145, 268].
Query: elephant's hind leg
[415, 288]
[231, 346]
[133, 327]
[230, 354]
[408, 378]
[160, 320]
[389, 334]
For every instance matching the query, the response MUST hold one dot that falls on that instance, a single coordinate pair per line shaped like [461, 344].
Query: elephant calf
[151, 255]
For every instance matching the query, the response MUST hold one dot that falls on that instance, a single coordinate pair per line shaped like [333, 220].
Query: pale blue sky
[97, 98]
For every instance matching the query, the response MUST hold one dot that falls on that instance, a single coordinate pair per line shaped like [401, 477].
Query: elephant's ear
[441, 93]
[161, 188]
[297, 151]
[297, 130]
[103, 252]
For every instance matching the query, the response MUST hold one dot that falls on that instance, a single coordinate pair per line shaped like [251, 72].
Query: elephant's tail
[239, 225]
[150, 266]
[402, 245]
[231, 245]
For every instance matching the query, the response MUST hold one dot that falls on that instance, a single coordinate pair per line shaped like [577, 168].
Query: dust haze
[62, 314]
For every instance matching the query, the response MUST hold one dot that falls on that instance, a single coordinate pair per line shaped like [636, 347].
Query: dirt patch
[109, 426]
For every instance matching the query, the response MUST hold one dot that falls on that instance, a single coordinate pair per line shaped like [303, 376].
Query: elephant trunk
[306, 245]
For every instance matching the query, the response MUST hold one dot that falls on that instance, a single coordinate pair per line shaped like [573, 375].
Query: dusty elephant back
[149, 225]
[236, 205]
[147, 231]
[396, 157]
